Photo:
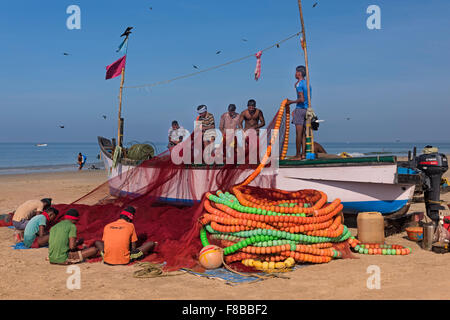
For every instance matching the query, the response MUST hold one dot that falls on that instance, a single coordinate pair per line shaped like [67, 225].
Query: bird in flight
[315, 4]
[66, 54]
[195, 66]
[347, 118]
[104, 117]
[151, 8]
[278, 45]
[245, 40]
[218, 52]
[62, 127]
[127, 32]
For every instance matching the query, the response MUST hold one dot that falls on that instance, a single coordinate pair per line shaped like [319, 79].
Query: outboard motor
[433, 165]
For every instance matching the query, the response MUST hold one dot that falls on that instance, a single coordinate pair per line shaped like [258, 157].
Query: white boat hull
[360, 187]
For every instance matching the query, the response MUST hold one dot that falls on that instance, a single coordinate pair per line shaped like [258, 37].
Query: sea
[22, 158]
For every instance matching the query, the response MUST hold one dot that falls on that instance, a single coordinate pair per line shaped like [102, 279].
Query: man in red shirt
[119, 241]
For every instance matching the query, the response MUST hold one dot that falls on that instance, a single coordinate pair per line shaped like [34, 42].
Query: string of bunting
[277, 44]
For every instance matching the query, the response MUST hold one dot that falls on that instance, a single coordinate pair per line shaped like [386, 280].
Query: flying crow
[127, 32]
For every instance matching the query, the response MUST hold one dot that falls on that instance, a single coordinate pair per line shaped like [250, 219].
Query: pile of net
[140, 152]
[262, 228]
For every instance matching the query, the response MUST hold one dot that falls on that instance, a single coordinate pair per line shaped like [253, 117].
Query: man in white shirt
[177, 134]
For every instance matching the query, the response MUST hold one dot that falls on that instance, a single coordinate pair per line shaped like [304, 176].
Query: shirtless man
[253, 117]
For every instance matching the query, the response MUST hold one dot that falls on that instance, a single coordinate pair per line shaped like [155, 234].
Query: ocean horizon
[22, 157]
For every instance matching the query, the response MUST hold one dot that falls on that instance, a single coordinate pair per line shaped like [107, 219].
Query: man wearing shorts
[62, 244]
[35, 235]
[25, 212]
[299, 113]
[119, 241]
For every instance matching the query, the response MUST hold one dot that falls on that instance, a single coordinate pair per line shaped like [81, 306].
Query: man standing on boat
[253, 117]
[207, 122]
[299, 113]
[177, 134]
[229, 121]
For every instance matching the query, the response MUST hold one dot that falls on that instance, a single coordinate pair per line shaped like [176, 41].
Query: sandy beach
[25, 274]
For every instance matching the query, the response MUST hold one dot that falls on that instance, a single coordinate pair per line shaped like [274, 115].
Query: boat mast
[309, 133]
[120, 123]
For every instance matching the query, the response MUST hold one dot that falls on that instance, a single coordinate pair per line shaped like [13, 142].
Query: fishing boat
[371, 183]
[362, 183]
[41, 145]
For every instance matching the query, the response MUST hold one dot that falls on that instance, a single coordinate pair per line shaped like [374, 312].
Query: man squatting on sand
[25, 212]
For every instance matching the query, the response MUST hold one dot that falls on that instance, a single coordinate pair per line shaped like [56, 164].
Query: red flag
[115, 68]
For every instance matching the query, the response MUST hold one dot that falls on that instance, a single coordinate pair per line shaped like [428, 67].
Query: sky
[392, 83]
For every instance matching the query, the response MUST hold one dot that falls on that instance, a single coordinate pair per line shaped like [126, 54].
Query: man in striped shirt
[207, 122]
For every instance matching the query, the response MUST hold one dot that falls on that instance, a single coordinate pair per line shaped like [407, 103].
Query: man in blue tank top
[299, 113]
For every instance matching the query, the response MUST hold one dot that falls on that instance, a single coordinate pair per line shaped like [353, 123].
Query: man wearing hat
[207, 122]
[62, 244]
[25, 212]
[119, 241]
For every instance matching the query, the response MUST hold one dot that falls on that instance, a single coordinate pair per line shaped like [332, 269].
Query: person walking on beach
[81, 160]
[118, 245]
[299, 113]
[25, 212]
[253, 117]
[35, 234]
[62, 243]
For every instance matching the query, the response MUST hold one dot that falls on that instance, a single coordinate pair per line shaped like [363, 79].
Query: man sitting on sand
[62, 244]
[253, 117]
[119, 241]
[25, 212]
[35, 235]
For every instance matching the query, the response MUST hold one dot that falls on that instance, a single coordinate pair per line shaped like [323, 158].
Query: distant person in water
[35, 234]
[252, 117]
[25, 212]
[177, 134]
[118, 246]
[63, 243]
[81, 160]
[299, 113]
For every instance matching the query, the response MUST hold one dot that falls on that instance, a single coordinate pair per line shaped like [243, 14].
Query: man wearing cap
[253, 117]
[177, 134]
[119, 241]
[299, 113]
[207, 122]
[35, 235]
[25, 212]
[62, 244]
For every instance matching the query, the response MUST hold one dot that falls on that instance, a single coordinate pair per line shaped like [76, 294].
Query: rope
[212, 68]
[153, 270]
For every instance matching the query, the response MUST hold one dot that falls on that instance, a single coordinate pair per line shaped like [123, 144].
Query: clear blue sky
[393, 83]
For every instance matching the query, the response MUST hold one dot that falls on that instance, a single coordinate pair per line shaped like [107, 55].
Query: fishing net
[177, 226]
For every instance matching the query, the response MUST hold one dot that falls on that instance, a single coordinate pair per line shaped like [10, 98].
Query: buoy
[211, 257]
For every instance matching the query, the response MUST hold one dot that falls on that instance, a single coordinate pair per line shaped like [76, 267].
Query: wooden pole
[309, 133]
[120, 123]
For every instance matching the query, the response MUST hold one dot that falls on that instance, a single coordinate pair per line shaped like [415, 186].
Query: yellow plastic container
[370, 227]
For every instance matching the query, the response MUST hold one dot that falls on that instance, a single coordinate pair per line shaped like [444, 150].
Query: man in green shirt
[62, 244]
